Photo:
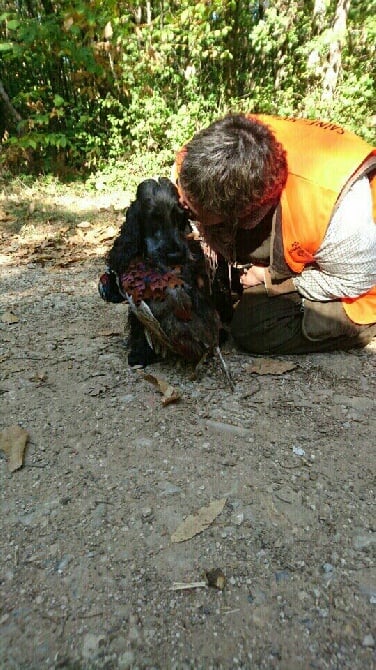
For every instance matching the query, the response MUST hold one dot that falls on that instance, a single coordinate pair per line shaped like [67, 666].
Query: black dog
[153, 263]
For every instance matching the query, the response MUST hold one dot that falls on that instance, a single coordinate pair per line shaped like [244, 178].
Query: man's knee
[262, 325]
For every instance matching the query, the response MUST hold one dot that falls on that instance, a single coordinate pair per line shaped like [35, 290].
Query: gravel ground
[88, 566]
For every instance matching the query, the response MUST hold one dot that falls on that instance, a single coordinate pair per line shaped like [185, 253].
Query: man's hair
[235, 164]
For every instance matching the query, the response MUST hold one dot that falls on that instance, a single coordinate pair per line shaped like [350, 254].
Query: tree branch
[11, 109]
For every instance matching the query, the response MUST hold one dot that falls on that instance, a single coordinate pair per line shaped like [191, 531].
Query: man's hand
[254, 276]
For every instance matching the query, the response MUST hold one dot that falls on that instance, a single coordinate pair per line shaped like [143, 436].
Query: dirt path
[87, 562]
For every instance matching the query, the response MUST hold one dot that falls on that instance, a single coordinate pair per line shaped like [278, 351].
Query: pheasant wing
[153, 331]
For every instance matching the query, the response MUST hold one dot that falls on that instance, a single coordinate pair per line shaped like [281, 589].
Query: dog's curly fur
[155, 229]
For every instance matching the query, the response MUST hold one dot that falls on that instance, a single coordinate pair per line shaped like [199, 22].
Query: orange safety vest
[322, 159]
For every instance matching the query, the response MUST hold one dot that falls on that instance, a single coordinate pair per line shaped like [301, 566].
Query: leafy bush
[92, 84]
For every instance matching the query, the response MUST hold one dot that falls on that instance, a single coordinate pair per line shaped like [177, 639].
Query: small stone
[146, 512]
[119, 645]
[364, 541]
[134, 633]
[237, 518]
[368, 640]
[64, 563]
[282, 576]
[168, 489]
[98, 515]
[298, 451]
[226, 428]
[92, 644]
[126, 660]
[128, 398]
[143, 442]
[328, 568]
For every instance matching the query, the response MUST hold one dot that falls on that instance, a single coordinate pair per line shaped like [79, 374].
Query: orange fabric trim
[361, 310]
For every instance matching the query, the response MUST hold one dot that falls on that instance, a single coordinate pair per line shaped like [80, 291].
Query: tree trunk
[318, 25]
[332, 67]
[319, 12]
[148, 12]
[15, 116]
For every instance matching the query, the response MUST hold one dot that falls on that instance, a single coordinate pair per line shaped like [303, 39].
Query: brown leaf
[69, 261]
[9, 317]
[4, 216]
[13, 442]
[195, 524]
[39, 376]
[170, 394]
[107, 234]
[269, 366]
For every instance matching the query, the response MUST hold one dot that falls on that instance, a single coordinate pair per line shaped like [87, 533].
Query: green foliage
[94, 83]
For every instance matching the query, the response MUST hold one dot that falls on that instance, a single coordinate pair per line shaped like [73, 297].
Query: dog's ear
[169, 193]
[129, 243]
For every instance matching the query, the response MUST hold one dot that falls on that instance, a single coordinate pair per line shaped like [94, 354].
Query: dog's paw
[142, 358]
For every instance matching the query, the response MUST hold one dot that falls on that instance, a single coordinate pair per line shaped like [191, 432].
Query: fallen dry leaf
[39, 376]
[9, 317]
[4, 216]
[70, 261]
[195, 524]
[170, 394]
[108, 234]
[269, 366]
[13, 442]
